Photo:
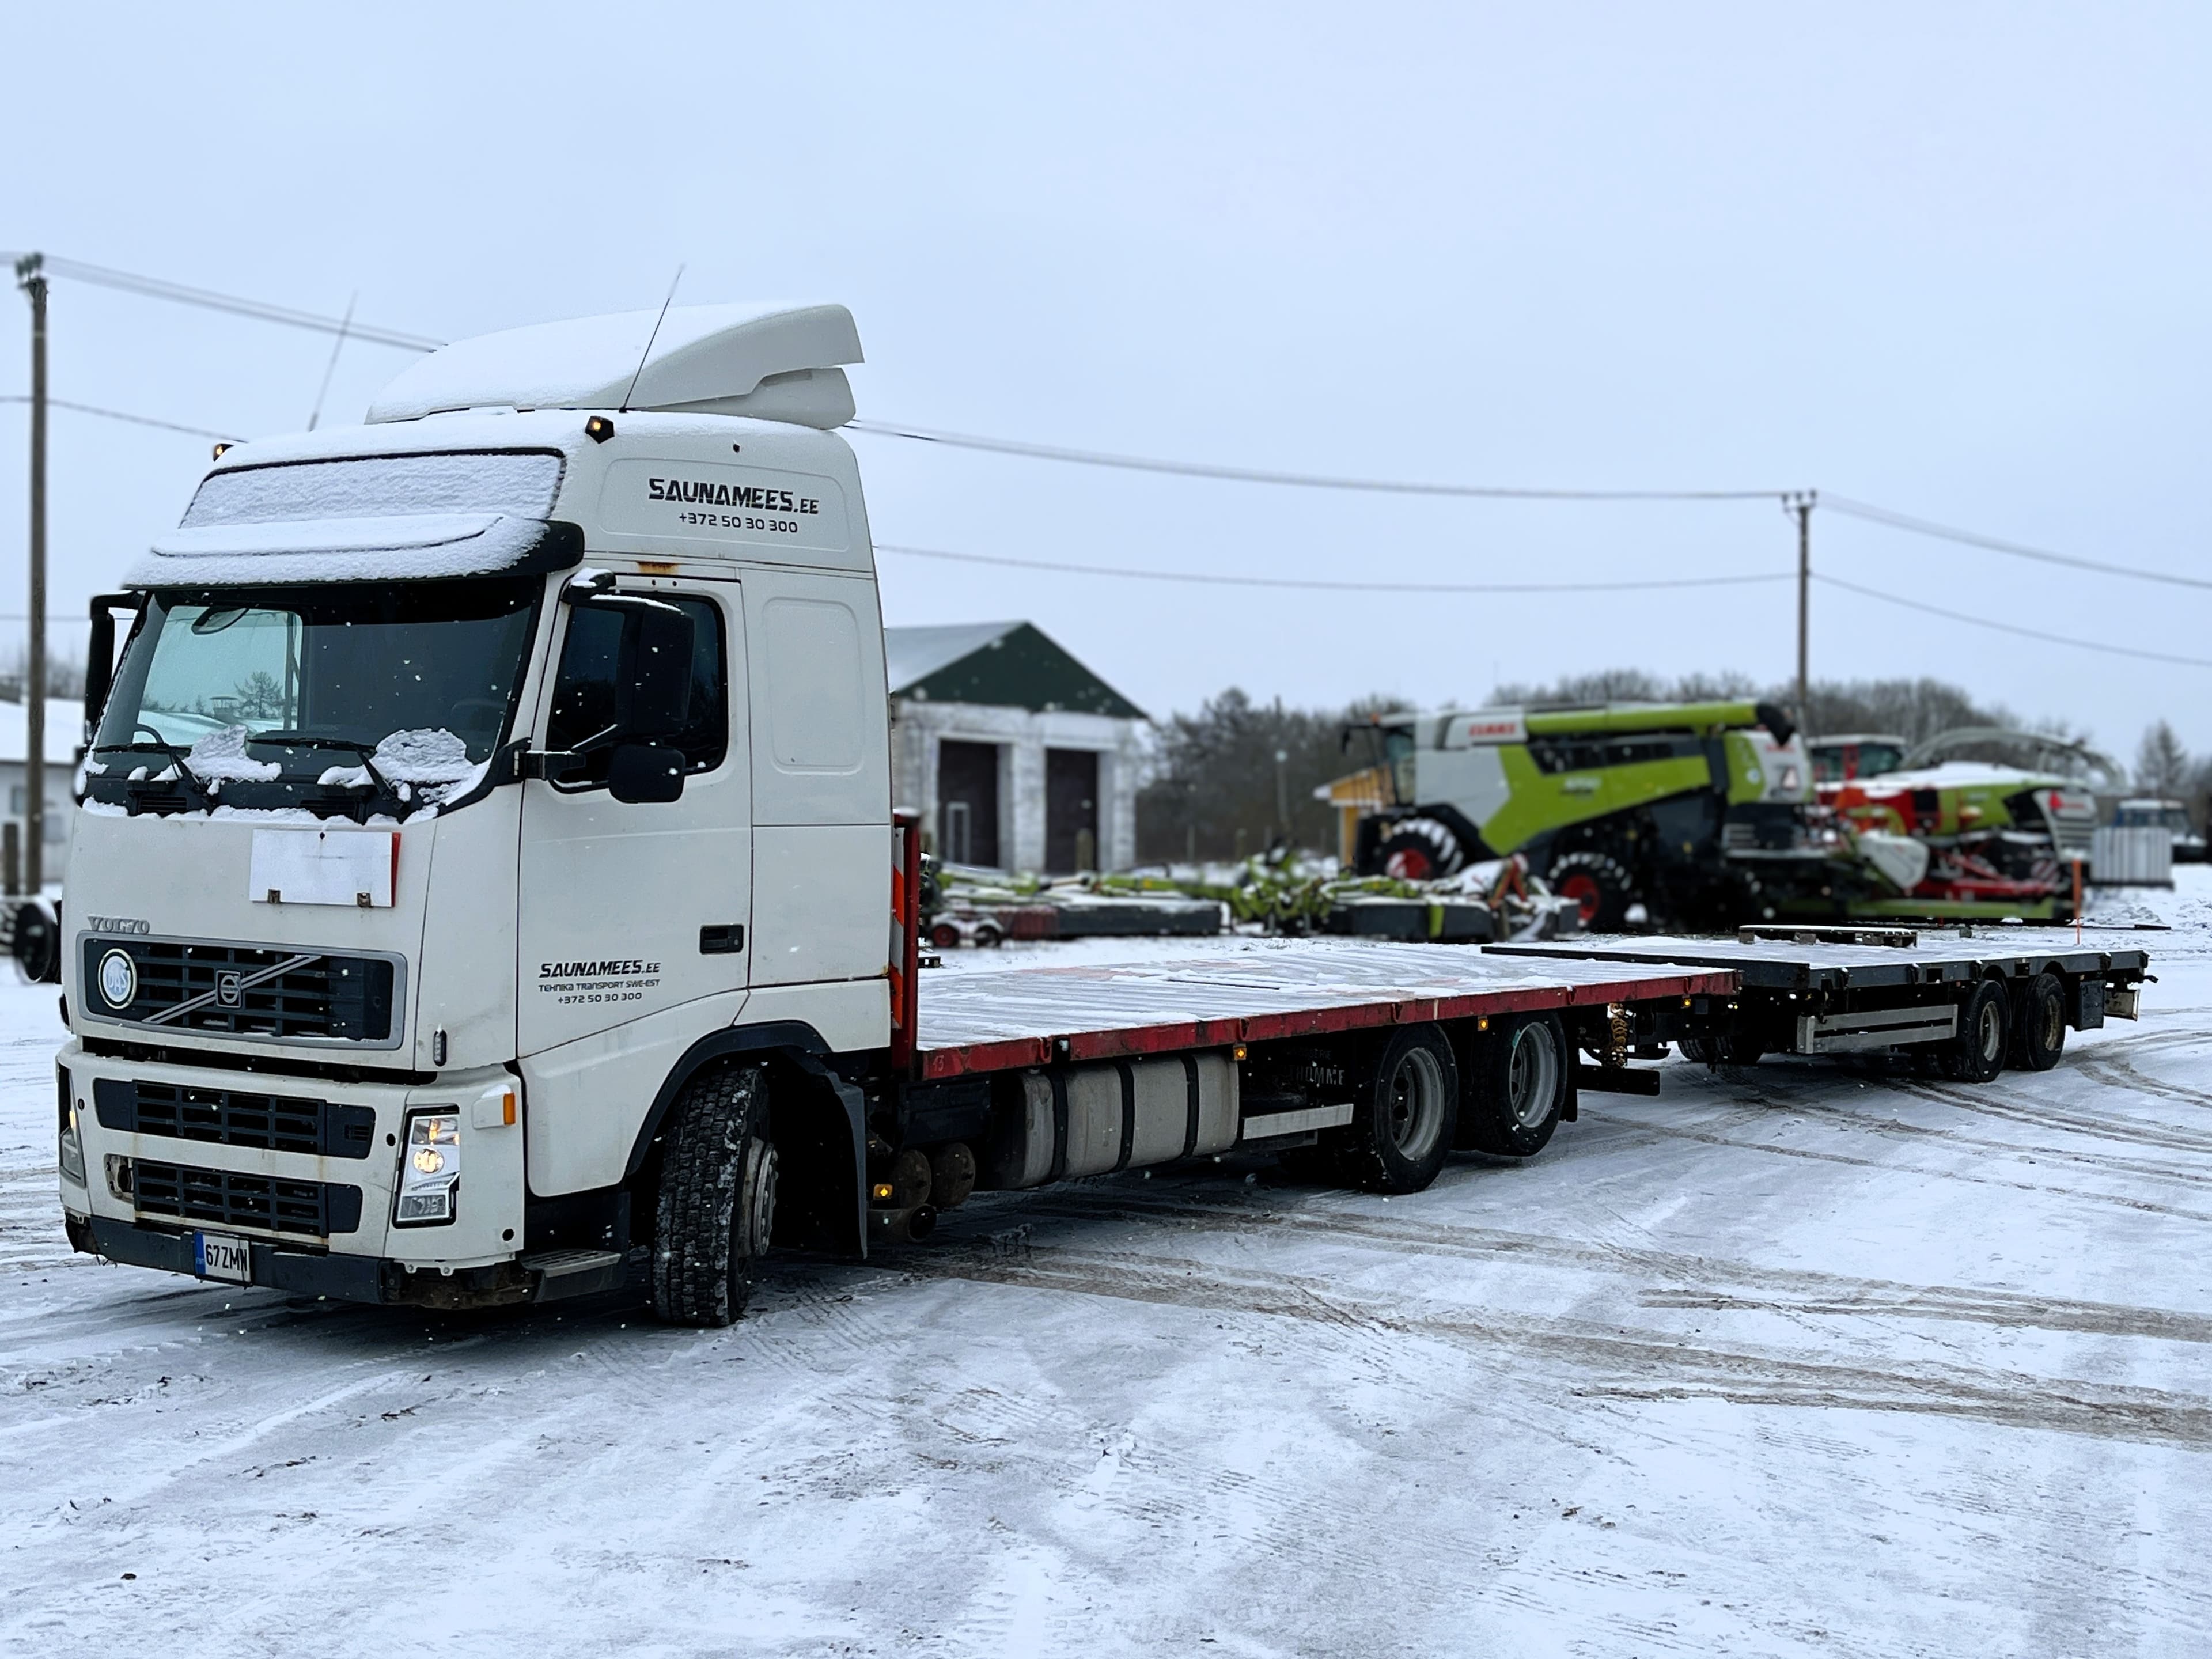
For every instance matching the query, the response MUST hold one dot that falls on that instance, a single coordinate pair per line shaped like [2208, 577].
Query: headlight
[429, 1169]
[119, 979]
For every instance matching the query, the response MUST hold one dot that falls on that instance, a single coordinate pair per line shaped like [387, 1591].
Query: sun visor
[403, 547]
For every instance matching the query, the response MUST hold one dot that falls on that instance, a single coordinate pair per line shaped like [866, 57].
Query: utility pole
[30, 278]
[1802, 506]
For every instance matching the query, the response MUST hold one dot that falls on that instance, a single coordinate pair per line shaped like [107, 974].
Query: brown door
[1070, 811]
[968, 802]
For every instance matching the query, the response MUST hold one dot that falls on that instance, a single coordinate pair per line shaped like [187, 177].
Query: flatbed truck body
[485, 886]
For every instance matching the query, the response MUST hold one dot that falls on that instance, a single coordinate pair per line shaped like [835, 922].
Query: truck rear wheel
[1406, 1116]
[2038, 1025]
[717, 1197]
[1977, 1052]
[1517, 1088]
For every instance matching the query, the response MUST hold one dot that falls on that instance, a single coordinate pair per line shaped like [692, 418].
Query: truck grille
[246, 991]
[231, 1198]
[233, 1117]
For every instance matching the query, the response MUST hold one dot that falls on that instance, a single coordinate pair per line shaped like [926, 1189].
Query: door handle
[725, 939]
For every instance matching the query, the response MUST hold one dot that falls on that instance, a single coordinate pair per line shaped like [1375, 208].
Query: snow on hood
[428, 761]
[221, 758]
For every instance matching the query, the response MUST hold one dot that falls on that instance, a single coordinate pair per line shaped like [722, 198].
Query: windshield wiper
[387, 791]
[303, 741]
[176, 753]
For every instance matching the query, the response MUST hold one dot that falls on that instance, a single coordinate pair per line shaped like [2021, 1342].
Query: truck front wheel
[717, 1197]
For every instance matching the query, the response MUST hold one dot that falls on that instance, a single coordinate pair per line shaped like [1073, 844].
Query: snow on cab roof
[775, 362]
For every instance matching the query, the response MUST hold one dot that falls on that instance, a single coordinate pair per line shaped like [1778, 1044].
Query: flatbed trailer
[1979, 1000]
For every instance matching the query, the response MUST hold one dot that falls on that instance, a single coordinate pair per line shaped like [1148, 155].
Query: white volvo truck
[485, 886]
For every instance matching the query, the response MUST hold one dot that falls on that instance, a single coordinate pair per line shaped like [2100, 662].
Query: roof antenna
[650, 338]
[332, 367]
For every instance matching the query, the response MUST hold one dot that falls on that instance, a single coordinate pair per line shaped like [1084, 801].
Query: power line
[1322, 585]
[1971, 539]
[121, 414]
[1300, 480]
[2137, 651]
[155, 288]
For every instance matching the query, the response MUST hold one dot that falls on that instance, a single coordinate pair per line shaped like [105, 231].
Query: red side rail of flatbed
[975, 1022]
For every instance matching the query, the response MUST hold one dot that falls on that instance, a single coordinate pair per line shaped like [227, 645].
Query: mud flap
[855, 1244]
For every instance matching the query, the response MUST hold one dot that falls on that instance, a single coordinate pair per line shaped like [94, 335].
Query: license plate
[219, 1256]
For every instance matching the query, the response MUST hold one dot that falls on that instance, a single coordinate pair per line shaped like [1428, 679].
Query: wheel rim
[1989, 1029]
[2053, 1023]
[1413, 1103]
[1532, 1076]
[1584, 891]
[1407, 863]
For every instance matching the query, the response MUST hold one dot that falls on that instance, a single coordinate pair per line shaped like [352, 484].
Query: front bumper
[343, 1244]
[329, 1276]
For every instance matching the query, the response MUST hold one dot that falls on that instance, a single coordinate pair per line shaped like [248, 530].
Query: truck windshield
[247, 687]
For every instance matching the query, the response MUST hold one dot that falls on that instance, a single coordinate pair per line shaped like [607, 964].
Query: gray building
[64, 724]
[1016, 756]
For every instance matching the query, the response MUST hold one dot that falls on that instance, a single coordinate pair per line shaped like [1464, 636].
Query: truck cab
[468, 780]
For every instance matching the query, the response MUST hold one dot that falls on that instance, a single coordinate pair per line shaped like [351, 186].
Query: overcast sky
[1949, 260]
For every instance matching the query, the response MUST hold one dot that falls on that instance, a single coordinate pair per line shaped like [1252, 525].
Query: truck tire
[2038, 1025]
[717, 1197]
[1420, 849]
[1599, 883]
[1405, 1116]
[1721, 1051]
[1516, 1087]
[1977, 1052]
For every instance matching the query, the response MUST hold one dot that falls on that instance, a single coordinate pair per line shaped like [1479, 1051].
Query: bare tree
[2163, 765]
[65, 676]
[1214, 786]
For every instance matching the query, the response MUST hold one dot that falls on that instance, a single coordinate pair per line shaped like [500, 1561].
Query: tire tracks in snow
[1613, 1363]
[1684, 1281]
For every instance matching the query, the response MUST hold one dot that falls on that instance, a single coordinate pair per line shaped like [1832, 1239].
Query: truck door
[629, 908]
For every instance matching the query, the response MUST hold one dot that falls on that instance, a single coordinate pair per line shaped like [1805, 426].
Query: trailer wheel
[1518, 1086]
[1599, 883]
[2038, 1025]
[1721, 1051]
[1977, 1052]
[1420, 849]
[717, 1197]
[1406, 1114]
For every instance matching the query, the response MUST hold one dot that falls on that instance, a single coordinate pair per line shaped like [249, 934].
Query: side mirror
[645, 773]
[100, 655]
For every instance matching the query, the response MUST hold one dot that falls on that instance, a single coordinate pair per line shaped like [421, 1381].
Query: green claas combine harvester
[1676, 815]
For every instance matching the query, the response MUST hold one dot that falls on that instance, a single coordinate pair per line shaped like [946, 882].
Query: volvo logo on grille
[227, 988]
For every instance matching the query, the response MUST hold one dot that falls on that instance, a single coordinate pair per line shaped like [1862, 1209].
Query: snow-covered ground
[1793, 1361]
